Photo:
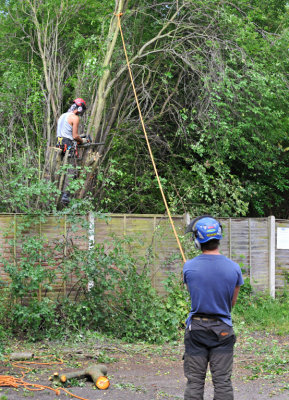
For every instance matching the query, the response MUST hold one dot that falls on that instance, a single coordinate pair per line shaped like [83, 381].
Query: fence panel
[248, 241]
[153, 241]
[236, 242]
[259, 272]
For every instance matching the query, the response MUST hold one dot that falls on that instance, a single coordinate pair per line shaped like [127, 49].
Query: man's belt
[205, 319]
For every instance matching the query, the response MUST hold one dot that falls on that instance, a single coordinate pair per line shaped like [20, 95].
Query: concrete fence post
[91, 240]
[187, 219]
[271, 254]
[91, 230]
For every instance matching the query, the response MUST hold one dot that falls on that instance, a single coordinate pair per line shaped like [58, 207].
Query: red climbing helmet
[80, 103]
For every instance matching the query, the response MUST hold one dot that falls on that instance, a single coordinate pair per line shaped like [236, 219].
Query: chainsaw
[89, 142]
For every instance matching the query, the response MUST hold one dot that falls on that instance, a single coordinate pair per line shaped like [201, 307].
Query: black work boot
[65, 199]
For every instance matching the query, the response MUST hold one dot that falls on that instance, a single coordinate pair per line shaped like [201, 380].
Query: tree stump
[87, 156]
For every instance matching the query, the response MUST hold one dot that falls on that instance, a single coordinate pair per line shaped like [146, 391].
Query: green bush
[2, 340]
[29, 313]
[35, 320]
[260, 311]
[122, 301]
[4, 325]
[112, 292]
[177, 300]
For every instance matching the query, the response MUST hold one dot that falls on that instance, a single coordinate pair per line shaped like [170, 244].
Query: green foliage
[216, 119]
[107, 290]
[29, 271]
[120, 302]
[35, 320]
[5, 329]
[2, 341]
[177, 300]
[267, 14]
[244, 296]
[229, 160]
[260, 311]
[32, 267]
[253, 146]
[29, 277]
[25, 190]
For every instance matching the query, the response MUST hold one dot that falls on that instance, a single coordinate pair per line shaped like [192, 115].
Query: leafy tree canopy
[212, 80]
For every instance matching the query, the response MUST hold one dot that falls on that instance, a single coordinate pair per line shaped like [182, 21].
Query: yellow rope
[147, 140]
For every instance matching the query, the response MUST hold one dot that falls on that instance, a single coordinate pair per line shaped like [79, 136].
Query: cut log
[93, 372]
[21, 356]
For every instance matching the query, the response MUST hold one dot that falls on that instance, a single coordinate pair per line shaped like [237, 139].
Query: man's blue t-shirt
[211, 281]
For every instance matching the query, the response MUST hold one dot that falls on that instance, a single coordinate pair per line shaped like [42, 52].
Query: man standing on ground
[213, 281]
[67, 133]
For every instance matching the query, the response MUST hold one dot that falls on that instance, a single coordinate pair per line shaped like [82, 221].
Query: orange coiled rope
[11, 381]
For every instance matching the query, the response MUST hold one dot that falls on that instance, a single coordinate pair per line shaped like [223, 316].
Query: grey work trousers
[209, 342]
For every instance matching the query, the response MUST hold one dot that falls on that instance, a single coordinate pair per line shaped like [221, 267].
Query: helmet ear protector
[81, 105]
[192, 228]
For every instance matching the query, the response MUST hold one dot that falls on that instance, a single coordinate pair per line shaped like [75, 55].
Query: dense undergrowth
[104, 288]
[121, 301]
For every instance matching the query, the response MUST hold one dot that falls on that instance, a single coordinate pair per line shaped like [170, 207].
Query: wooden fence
[252, 242]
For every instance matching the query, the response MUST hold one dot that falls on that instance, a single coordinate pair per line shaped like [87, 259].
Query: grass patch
[262, 354]
[261, 312]
[130, 386]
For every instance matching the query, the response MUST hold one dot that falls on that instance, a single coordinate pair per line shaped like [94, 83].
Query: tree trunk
[100, 101]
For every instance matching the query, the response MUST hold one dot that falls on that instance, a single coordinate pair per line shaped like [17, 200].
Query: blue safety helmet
[205, 228]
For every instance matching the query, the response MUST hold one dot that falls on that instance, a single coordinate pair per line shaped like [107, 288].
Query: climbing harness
[147, 140]
[66, 144]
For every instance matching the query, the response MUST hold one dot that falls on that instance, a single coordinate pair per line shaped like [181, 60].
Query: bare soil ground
[147, 372]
